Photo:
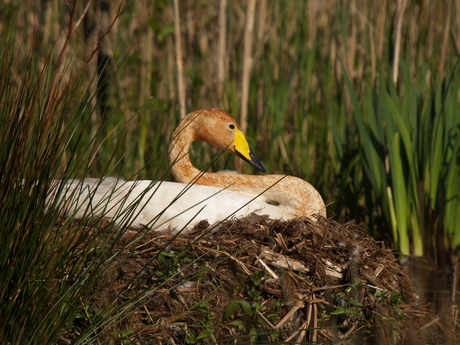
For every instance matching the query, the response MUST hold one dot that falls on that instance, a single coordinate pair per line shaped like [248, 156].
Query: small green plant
[169, 263]
[204, 319]
[243, 313]
[347, 302]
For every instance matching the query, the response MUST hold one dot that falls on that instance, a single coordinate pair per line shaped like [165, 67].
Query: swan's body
[201, 194]
[157, 203]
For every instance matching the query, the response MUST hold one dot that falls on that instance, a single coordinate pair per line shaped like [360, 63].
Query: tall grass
[296, 73]
[51, 266]
[45, 273]
[301, 52]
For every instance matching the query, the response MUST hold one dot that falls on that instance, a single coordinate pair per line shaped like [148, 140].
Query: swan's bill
[242, 150]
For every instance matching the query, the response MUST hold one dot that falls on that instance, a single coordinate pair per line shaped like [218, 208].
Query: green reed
[409, 151]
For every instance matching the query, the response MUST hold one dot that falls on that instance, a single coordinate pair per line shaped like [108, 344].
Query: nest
[257, 279]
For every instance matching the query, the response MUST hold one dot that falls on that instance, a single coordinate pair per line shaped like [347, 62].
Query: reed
[36, 259]
[300, 116]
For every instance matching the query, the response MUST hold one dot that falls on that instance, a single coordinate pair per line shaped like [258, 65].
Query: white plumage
[162, 205]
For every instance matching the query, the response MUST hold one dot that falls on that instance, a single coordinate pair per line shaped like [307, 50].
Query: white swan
[212, 196]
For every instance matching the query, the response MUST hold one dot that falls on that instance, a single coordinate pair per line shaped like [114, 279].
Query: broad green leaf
[437, 158]
[231, 309]
[247, 308]
[399, 192]
[373, 163]
[205, 334]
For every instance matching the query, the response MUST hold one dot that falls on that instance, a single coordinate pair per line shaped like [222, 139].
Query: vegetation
[361, 99]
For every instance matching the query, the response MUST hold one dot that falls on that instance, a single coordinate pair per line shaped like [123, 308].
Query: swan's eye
[232, 126]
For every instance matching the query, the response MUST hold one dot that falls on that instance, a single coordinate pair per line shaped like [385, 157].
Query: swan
[179, 206]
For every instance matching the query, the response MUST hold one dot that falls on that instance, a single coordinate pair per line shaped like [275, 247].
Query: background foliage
[360, 98]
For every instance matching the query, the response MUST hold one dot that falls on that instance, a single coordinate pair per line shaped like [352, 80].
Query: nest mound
[257, 279]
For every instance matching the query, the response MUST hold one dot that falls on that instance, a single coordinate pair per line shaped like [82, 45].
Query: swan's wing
[207, 203]
[160, 204]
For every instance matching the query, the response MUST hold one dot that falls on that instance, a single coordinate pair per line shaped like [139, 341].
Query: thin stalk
[247, 63]
[221, 48]
[398, 27]
[178, 49]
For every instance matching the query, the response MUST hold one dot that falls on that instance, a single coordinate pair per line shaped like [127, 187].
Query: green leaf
[231, 309]
[399, 193]
[355, 302]
[236, 323]
[247, 308]
[373, 164]
[205, 334]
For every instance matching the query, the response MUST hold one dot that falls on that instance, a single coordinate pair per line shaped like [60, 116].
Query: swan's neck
[181, 166]
[179, 158]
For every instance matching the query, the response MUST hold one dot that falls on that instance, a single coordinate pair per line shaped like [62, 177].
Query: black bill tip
[253, 161]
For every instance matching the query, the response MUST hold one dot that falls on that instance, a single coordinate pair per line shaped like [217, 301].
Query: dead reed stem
[222, 48]
[399, 19]
[60, 59]
[454, 289]
[456, 28]
[380, 29]
[247, 62]
[445, 39]
[145, 12]
[180, 76]
[247, 66]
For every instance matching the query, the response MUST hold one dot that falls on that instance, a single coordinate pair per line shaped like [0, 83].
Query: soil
[257, 280]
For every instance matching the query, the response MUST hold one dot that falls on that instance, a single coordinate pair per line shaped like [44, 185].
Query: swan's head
[220, 129]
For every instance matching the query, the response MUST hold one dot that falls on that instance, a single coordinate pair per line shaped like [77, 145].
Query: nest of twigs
[261, 280]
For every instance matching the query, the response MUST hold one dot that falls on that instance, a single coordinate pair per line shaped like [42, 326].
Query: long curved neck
[294, 193]
[183, 169]
[189, 130]
[179, 158]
